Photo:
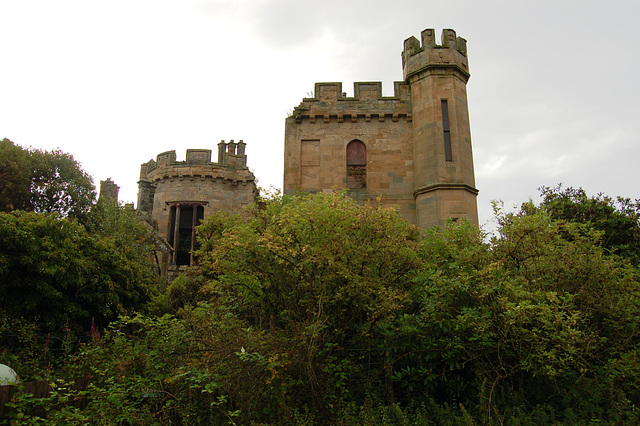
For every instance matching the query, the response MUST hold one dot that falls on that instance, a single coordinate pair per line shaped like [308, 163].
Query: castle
[412, 149]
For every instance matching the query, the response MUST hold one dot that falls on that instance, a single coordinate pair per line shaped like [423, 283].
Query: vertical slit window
[356, 165]
[446, 131]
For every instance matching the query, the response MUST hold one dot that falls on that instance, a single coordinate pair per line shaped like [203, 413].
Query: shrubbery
[68, 264]
[318, 310]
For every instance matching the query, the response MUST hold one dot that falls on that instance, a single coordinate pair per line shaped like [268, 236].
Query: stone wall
[227, 185]
[406, 162]
[317, 133]
[108, 189]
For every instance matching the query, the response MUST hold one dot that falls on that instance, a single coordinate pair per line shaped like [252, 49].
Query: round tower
[178, 195]
[443, 160]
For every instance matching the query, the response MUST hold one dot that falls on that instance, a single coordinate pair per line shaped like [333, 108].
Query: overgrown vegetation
[43, 182]
[68, 264]
[318, 310]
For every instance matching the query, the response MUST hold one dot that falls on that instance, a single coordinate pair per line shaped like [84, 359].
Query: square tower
[412, 149]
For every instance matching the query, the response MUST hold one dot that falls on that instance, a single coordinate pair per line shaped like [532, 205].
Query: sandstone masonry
[413, 148]
[178, 195]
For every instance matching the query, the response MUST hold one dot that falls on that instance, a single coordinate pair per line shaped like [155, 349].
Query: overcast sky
[553, 94]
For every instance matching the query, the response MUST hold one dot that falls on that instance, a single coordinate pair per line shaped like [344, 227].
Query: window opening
[184, 218]
[447, 134]
[356, 165]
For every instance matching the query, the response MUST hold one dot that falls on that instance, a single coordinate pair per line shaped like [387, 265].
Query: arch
[356, 164]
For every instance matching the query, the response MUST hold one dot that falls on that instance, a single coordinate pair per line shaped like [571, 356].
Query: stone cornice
[430, 69]
[448, 186]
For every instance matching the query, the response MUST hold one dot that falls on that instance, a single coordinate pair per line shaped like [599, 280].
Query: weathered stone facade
[413, 148]
[178, 195]
[108, 189]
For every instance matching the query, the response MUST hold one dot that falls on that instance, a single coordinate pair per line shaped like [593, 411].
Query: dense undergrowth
[318, 310]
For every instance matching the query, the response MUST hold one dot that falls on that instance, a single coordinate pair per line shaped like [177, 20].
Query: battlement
[362, 91]
[330, 101]
[231, 164]
[231, 150]
[426, 54]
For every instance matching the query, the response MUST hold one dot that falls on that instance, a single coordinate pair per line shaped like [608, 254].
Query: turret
[108, 189]
[179, 195]
[443, 160]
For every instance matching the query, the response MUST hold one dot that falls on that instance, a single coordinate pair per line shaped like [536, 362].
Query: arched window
[184, 217]
[356, 165]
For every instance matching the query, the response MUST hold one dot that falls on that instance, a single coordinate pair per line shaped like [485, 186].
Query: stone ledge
[437, 186]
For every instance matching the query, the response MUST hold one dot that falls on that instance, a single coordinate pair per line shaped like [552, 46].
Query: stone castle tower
[108, 189]
[412, 148]
[180, 194]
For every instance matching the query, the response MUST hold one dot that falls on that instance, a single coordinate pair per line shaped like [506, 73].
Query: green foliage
[15, 177]
[618, 218]
[58, 184]
[57, 275]
[123, 254]
[318, 272]
[166, 370]
[66, 264]
[43, 182]
[21, 346]
[317, 310]
[274, 319]
[60, 407]
[311, 259]
[42, 270]
[532, 320]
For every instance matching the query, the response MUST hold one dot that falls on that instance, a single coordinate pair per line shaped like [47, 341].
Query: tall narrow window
[445, 127]
[356, 165]
[182, 232]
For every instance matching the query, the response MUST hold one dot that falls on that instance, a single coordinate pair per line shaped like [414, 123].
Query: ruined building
[178, 195]
[108, 189]
[413, 148]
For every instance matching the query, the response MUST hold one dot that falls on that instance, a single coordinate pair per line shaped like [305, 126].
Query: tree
[319, 271]
[44, 182]
[539, 324]
[318, 310]
[122, 256]
[15, 177]
[617, 217]
[60, 185]
[304, 250]
[276, 323]
[59, 276]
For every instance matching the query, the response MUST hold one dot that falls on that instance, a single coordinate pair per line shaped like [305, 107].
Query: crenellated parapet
[231, 165]
[166, 179]
[232, 154]
[331, 103]
[427, 55]
[411, 150]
